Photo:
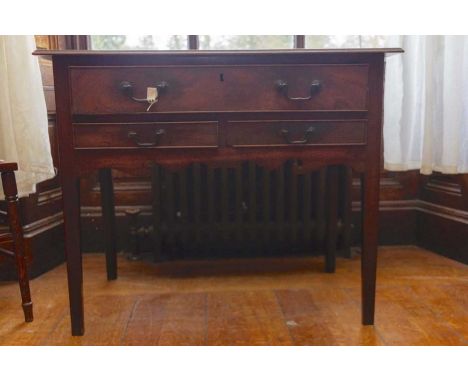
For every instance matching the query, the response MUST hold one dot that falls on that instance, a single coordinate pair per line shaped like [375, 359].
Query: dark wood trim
[453, 214]
[77, 42]
[463, 180]
[385, 205]
[443, 234]
[193, 42]
[299, 41]
[202, 53]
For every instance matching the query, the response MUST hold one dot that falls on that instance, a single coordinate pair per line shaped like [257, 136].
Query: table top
[214, 52]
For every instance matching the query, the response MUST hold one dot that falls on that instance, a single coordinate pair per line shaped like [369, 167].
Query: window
[246, 42]
[344, 41]
[138, 42]
[222, 42]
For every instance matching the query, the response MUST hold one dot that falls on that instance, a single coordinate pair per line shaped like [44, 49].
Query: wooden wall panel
[442, 224]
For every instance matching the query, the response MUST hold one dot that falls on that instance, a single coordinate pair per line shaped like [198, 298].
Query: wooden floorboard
[422, 299]
[246, 318]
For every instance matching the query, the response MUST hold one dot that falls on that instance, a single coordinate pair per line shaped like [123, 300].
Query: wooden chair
[7, 171]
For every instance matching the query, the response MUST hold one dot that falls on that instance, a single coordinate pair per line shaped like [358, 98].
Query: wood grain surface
[422, 299]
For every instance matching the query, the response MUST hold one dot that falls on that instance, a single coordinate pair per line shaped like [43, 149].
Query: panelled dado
[127, 109]
[218, 88]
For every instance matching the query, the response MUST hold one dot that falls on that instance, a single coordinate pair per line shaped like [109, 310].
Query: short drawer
[295, 133]
[146, 135]
[311, 87]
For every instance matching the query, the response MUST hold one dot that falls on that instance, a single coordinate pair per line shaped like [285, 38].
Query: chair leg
[11, 197]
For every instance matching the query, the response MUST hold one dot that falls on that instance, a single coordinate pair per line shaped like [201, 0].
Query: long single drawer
[291, 133]
[311, 87]
[164, 135]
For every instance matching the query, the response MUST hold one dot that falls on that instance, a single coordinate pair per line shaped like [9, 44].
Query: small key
[151, 103]
[151, 97]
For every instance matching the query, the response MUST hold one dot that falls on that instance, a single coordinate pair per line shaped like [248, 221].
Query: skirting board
[438, 228]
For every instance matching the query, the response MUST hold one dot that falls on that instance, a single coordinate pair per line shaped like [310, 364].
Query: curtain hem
[425, 170]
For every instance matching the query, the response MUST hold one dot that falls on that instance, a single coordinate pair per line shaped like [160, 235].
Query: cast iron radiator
[247, 210]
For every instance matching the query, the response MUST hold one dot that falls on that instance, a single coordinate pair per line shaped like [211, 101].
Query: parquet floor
[422, 299]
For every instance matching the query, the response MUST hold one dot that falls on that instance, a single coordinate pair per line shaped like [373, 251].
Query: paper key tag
[151, 94]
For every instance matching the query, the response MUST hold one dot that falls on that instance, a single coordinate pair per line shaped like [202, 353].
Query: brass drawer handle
[133, 135]
[307, 135]
[127, 89]
[282, 87]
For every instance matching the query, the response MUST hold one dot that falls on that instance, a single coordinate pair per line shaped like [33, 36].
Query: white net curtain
[426, 100]
[24, 136]
[426, 105]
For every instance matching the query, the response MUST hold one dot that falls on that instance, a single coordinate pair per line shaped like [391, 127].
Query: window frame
[77, 42]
